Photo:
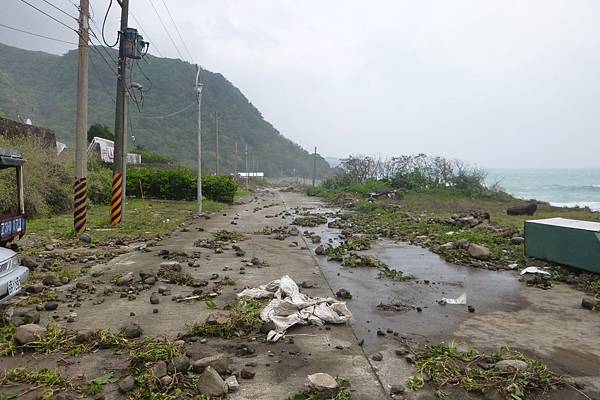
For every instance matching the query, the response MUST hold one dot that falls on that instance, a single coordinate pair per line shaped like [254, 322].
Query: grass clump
[244, 318]
[55, 339]
[49, 379]
[354, 260]
[151, 350]
[229, 236]
[310, 220]
[8, 346]
[445, 366]
[341, 393]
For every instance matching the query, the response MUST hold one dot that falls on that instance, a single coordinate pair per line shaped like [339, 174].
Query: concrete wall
[10, 129]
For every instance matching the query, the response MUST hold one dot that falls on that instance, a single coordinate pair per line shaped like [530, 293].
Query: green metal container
[564, 241]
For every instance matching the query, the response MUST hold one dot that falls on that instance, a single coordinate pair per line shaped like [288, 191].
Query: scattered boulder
[210, 383]
[29, 262]
[320, 250]
[478, 251]
[154, 299]
[343, 294]
[29, 333]
[51, 280]
[514, 364]
[51, 305]
[127, 384]
[84, 335]
[86, 238]
[132, 331]
[588, 303]
[217, 319]
[517, 240]
[322, 382]
[529, 209]
[126, 279]
[159, 369]
[180, 364]
[23, 317]
[397, 389]
[220, 363]
[247, 374]
[377, 357]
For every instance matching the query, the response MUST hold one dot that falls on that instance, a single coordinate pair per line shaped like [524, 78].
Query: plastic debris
[534, 270]
[462, 299]
[290, 307]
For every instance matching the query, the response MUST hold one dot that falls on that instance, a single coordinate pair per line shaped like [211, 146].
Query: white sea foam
[593, 205]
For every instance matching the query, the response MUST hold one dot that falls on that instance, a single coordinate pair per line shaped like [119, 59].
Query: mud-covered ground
[165, 291]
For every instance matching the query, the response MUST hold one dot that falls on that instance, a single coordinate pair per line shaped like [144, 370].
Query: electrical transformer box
[564, 241]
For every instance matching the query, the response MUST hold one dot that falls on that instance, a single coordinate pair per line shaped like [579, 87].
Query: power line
[178, 32]
[165, 28]
[37, 34]
[110, 94]
[48, 15]
[104, 23]
[145, 33]
[167, 115]
[59, 9]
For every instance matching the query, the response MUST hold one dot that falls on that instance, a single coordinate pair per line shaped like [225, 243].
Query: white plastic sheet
[289, 307]
[462, 299]
[534, 270]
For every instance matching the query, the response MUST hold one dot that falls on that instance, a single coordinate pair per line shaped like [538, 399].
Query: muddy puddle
[411, 308]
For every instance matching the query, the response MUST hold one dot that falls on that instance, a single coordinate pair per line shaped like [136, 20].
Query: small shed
[564, 241]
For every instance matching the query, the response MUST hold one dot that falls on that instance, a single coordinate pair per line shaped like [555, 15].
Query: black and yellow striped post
[80, 205]
[116, 209]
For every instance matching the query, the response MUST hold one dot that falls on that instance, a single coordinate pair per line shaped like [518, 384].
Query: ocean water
[559, 187]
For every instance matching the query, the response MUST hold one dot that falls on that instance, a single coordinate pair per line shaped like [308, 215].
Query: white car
[12, 274]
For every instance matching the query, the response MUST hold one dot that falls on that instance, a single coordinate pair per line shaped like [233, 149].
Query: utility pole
[120, 159]
[80, 188]
[199, 100]
[216, 116]
[314, 167]
[247, 173]
[235, 168]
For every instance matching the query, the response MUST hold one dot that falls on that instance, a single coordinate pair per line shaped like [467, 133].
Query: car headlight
[13, 262]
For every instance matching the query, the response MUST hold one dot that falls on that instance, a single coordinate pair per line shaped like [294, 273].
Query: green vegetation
[445, 366]
[48, 183]
[49, 379]
[219, 188]
[145, 220]
[310, 220]
[152, 157]
[428, 214]
[162, 183]
[341, 393]
[101, 131]
[229, 236]
[244, 319]
[53, 100]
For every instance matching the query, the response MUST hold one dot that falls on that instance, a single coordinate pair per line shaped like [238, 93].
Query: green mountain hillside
[42, 87]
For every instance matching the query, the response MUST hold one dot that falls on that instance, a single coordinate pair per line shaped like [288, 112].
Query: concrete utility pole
[314, 167]
[235, 167]
[247, 173]
[199, 100]
[216, 116]
[120, 158]
[80, 188]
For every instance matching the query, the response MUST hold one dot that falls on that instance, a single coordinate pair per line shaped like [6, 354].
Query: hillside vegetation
[42, 86]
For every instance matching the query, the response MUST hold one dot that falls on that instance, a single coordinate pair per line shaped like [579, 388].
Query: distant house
[104, 149]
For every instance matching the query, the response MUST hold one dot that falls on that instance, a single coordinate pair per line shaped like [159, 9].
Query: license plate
[14, 285]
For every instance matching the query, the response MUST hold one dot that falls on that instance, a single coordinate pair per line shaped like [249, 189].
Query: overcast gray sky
[505, 83]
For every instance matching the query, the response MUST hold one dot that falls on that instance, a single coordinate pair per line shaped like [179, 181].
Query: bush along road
[159, 316]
